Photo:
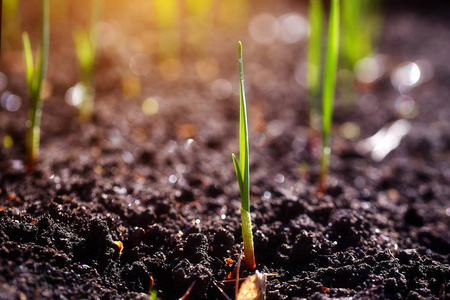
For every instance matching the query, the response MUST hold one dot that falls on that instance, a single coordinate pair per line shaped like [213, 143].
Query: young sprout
[243, 173]
[315, 15]
[35, 78]
[329, 84]
[86, 49]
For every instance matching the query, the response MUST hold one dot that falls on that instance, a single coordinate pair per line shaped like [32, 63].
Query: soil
[165, 187]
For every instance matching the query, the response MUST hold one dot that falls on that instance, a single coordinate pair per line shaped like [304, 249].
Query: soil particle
[185, 273]
[347, 228]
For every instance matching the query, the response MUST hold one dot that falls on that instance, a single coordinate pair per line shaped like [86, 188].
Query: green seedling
[86, 50]
[35, 79]
[314, 78]
[329, 84]
[243, 172]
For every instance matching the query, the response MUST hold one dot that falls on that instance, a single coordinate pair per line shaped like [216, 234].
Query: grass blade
[28, 54]
[357, 41]
[328, 91]
[42, 57]
[35, 80]
[315, 16]
[238, 171]
[243, 137]
[84, 54]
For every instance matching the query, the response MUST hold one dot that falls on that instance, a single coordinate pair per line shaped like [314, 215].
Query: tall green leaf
[243, 138]
[315, 17]
[28, 54]
[35, 79]
[329, 85]
[314, 72]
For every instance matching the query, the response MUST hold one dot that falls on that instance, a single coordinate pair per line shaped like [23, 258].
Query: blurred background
[152, 50]
[167, 39]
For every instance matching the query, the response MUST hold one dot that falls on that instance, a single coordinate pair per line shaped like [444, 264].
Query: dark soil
[381, 231]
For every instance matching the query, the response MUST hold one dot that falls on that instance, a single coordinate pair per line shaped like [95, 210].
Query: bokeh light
[369, 69]
[264, 28]
[221, 89]
[10, 102]
[293, 28]
[406, 76]
[150, 106]
[140, 64]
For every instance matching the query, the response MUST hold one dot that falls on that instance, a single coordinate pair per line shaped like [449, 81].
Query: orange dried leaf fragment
[120, 245]
[253, 288]
[232, 274]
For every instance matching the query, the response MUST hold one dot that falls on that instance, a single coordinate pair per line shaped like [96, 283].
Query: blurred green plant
[10, 25]
[199, 25]
[86, 42]
[329, 84]
[314, 78]
[35, 79]
[360, 27]
[167, 18]
[243, 172]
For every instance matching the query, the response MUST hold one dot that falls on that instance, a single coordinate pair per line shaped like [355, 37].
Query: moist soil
[165, 187]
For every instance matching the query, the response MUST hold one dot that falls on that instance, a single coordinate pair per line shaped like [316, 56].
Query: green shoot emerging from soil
[315, 16]
[243, 173]
[329, 84]
[86, 49]
[35, 78]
